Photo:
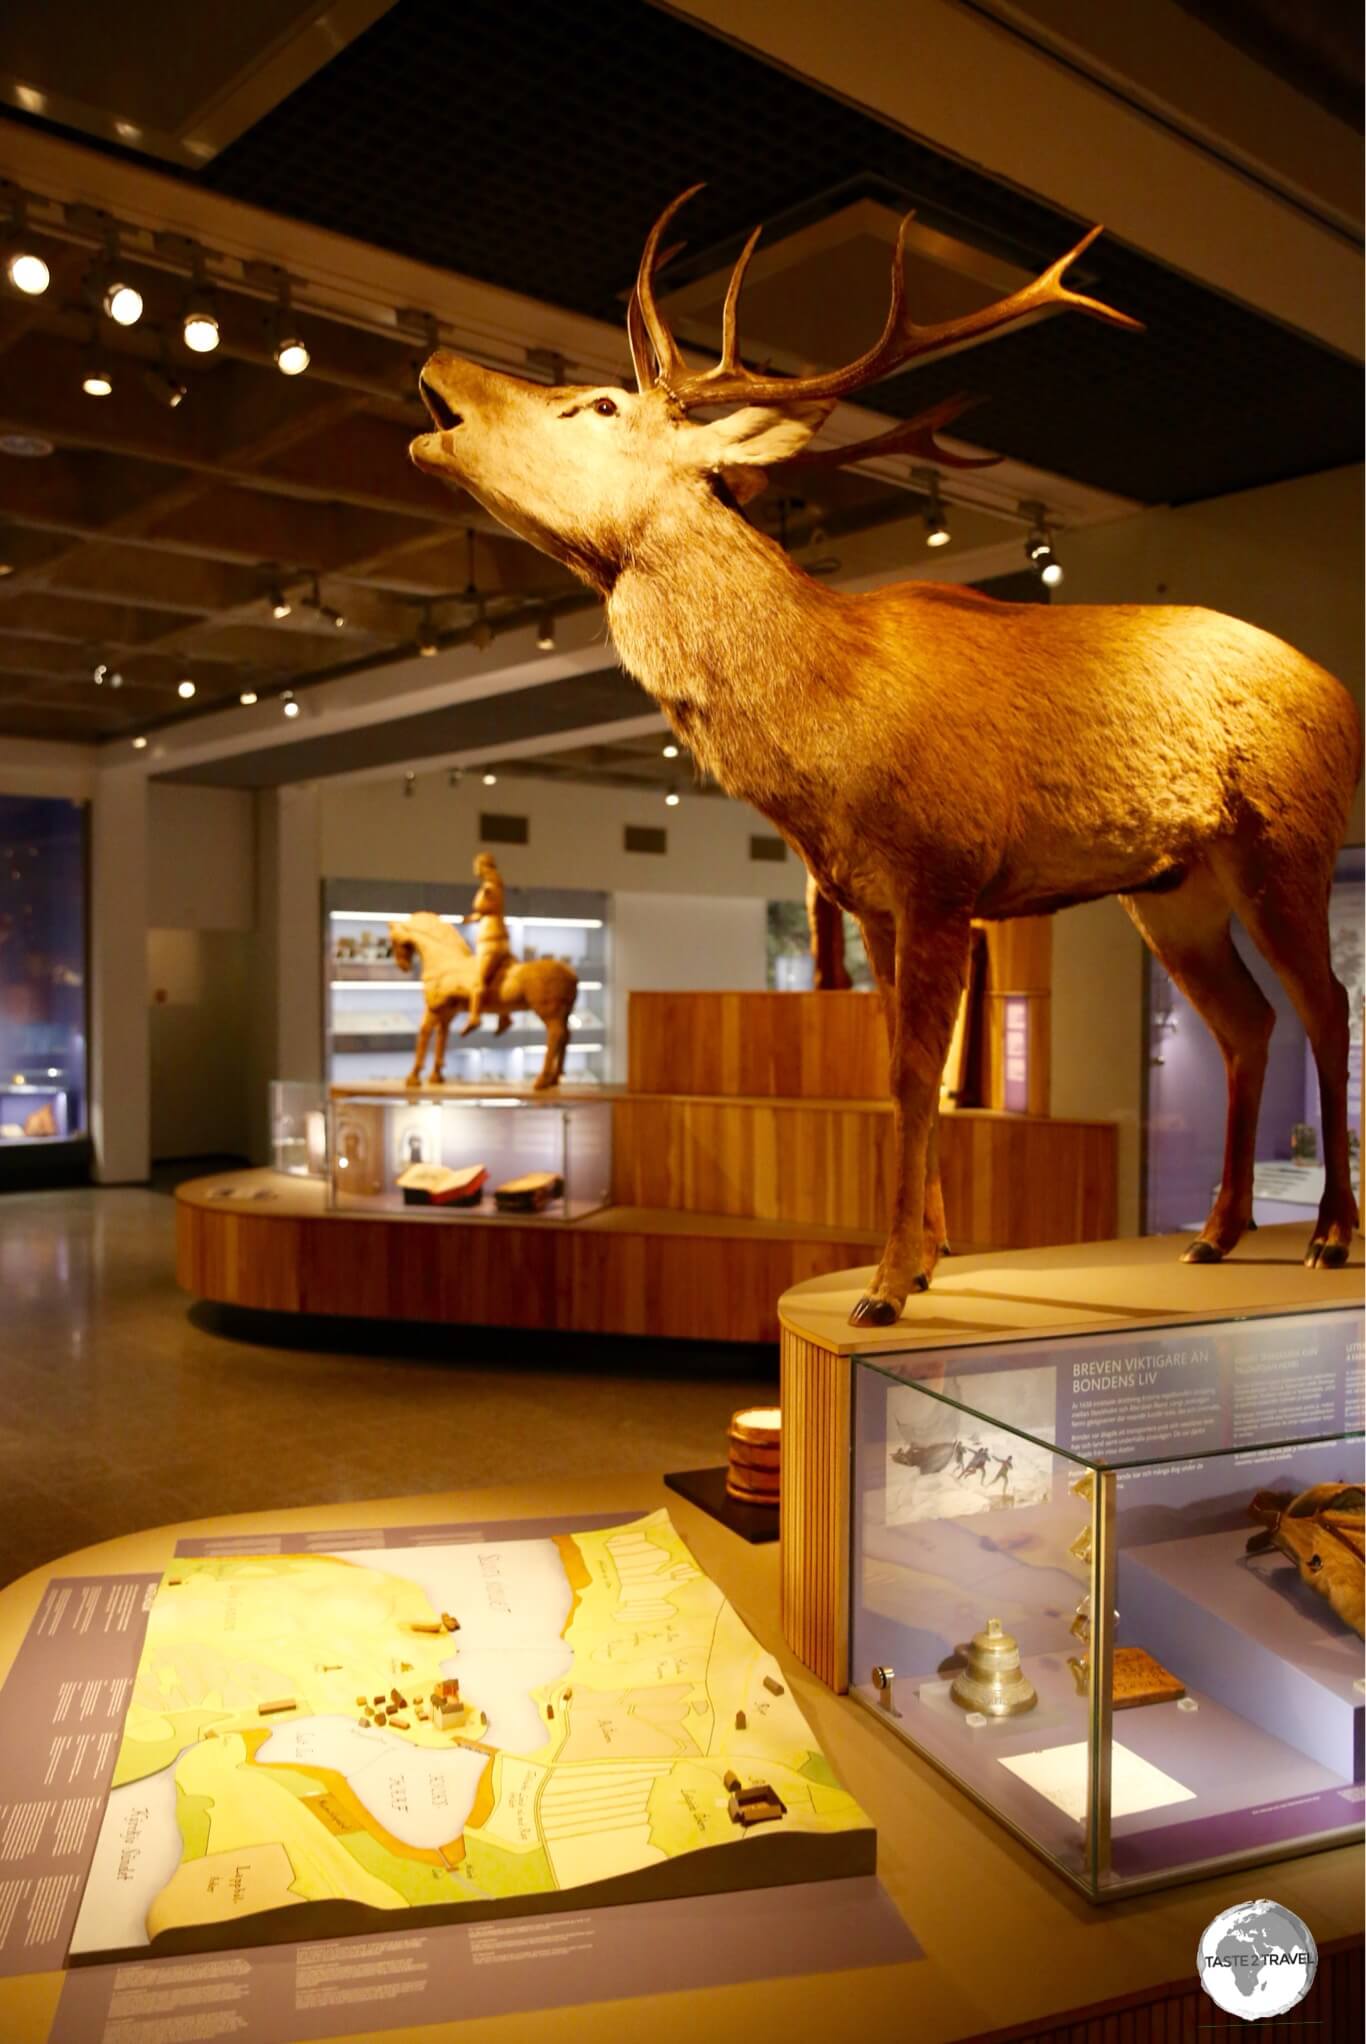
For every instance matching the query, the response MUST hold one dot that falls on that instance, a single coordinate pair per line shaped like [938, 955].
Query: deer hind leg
[931, 970]
[1188, 931]
[879, 941]
[1286, 914]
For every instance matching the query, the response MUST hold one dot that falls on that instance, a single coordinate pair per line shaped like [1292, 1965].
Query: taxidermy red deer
[932, 754]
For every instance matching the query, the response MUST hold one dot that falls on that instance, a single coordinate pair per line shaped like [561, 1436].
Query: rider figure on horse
[492, 952]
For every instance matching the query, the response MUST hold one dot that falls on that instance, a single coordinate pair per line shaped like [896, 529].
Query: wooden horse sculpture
[934, 756]
[450, 975]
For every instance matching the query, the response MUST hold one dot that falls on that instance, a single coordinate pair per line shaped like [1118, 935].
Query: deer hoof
[921, 1281]
[871, 1312]
[1323, 1255]
[1203, 1252]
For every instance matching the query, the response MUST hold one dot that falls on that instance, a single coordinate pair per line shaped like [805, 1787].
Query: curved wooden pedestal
[274, 1246]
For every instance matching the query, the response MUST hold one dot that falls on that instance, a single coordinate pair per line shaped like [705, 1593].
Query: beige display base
[1007, 1945]
[1086, 1288]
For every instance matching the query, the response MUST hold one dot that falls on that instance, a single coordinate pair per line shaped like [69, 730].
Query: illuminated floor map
[602, 1673]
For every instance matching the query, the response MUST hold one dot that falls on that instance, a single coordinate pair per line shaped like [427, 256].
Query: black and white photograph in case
[943, 1462]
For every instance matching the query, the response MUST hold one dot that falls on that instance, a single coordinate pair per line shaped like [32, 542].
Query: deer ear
[757, 437]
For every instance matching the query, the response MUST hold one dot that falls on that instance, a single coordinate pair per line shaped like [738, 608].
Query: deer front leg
[879, 941]
[932, 950]
[414, 1077]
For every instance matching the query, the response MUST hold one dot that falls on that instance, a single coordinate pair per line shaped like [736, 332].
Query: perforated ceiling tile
[531, 146]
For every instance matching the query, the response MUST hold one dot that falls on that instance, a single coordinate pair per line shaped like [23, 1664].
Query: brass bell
[992, 1681]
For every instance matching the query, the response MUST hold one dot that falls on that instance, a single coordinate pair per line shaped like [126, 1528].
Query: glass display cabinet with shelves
[434, 1156]
[43, 1030]
[373, 1011]
[1113, 1586]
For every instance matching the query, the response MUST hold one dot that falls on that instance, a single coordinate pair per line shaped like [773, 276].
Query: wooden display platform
[1025, 1960]
[830, 1046]
[1014, 1179]
[274, 1246]
[1085, 1288]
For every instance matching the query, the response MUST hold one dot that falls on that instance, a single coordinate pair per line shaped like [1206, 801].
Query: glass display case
[42, 988]
[298, 1127]
[373, 1010]
[1113, 1586]
[438, 1157]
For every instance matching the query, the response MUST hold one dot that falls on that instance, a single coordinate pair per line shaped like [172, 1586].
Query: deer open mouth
[445, 416]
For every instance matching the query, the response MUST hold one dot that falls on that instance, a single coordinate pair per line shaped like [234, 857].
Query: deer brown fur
[932, 754]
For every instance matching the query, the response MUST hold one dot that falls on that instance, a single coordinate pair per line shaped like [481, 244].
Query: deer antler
[915, 436]
[900, 342]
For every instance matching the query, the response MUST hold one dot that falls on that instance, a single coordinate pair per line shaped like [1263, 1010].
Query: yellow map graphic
[603, 1672]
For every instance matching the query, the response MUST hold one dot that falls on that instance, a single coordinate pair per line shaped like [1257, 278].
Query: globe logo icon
[1257, 1960]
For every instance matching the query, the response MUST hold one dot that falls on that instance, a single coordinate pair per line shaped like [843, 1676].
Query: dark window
[644, 837]
[503, 830]
[770, 848]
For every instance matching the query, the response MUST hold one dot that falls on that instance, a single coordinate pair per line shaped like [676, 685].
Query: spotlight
[490, 780]
[116, 679]
[24, 267]
[248, 697]
[935, 516]
[184, 689]
[291, 353]
[410, 784]
[101, 669]
[280, 605]
[291, 708]
[139, 743]
[672, 799]
[426, 637]
[1039, 545]
[545, 634]
[199, 323]
[28, 273]
[200, 329]
[122, 302]
[96, 380]
[336, 616]
[165, 388]
[109, 286]
[671, 752]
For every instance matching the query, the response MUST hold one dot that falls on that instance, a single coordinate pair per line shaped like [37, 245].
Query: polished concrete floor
[124, 1405]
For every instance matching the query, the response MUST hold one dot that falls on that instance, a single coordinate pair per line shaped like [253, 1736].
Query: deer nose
[445, 416]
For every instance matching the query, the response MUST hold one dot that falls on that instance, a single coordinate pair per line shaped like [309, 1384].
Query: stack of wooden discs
[754, 1474]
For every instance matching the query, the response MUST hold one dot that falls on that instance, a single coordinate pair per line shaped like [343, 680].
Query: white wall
[37, 766]
[371, 831]
[200, 983]
[202, 858]
[682, 941]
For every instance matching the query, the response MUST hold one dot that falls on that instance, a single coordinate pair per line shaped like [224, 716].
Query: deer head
[585, 472]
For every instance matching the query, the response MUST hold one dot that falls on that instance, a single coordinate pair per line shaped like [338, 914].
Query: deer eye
[605, 409]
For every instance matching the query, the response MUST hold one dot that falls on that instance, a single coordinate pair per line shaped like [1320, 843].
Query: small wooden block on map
[1141, 1679]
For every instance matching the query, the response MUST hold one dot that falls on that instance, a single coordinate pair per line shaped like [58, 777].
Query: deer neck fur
[743, 652]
